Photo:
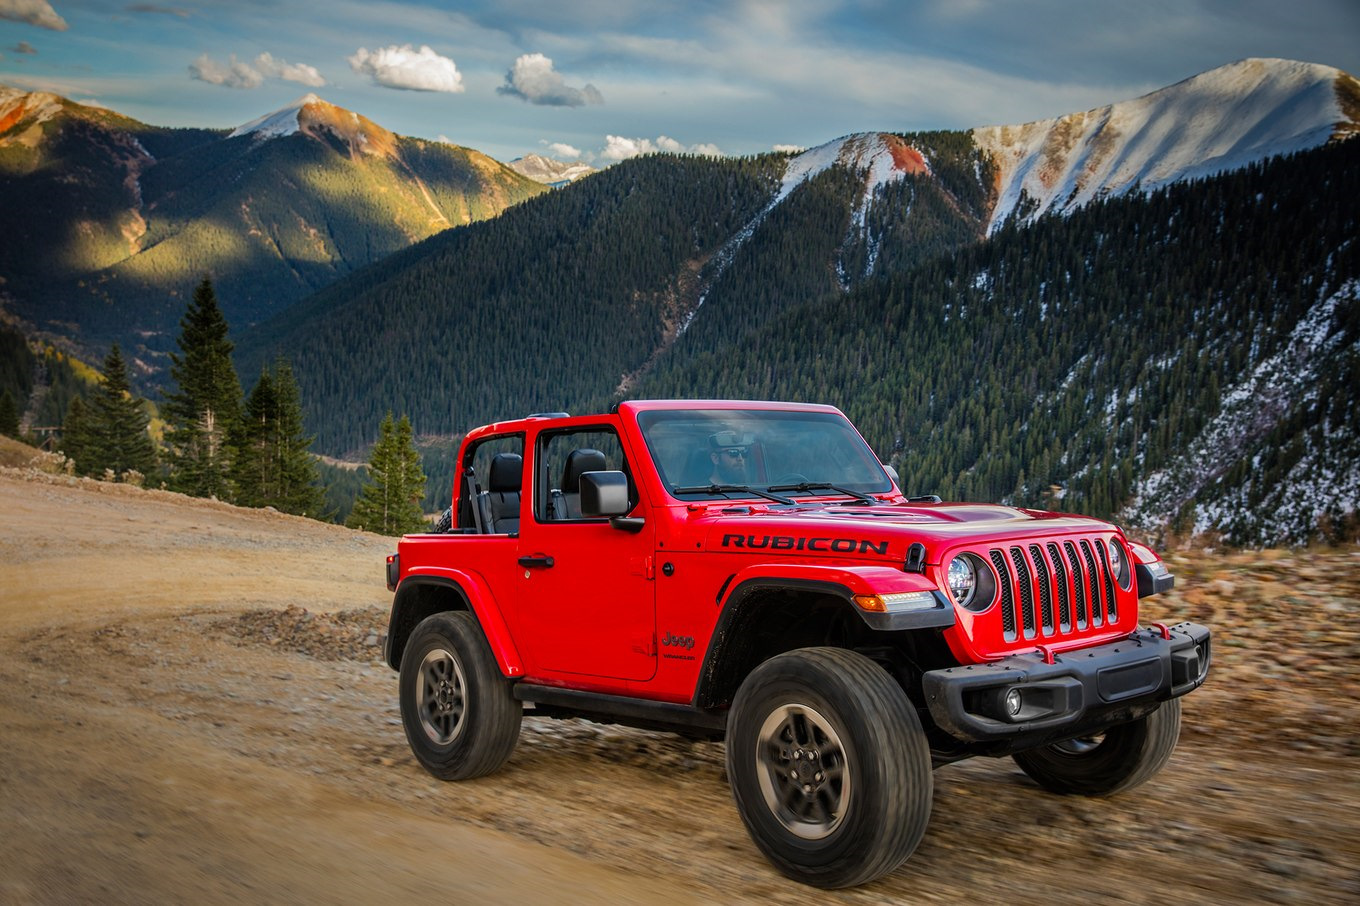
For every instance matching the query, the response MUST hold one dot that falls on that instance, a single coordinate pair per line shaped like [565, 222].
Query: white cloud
[33, 12]
[407, 68]
[533, 79]
[562, 150]
[617, 147]
[289, 72]
[238, 74]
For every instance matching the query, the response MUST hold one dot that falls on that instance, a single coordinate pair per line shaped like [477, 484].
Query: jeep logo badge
[678, 641]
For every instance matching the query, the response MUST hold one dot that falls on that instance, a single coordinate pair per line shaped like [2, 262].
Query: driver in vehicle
[728, 452]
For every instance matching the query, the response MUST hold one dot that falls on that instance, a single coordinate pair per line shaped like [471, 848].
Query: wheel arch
[772, 608]
[422, 595]
[768, 616]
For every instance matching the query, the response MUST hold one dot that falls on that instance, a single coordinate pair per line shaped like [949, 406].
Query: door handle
[537, 561]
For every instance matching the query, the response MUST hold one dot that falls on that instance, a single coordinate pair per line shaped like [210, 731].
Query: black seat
[499, 504]
[567, 500]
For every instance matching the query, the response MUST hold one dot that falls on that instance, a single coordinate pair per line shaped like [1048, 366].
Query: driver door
[586, 592]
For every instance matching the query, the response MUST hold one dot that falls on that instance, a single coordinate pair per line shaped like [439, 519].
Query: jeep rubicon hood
[886, 529]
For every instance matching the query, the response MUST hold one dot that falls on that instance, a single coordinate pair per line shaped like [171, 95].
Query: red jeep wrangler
[751, 571]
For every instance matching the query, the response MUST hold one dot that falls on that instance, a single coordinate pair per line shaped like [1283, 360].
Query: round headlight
[962, 580]
[1119, 564]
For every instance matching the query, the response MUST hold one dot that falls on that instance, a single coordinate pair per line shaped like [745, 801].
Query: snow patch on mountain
[286, 121]
[1220, 120]
[1324, 480]
[883, 158]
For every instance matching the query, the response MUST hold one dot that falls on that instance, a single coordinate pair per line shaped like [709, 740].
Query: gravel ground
[193, 708]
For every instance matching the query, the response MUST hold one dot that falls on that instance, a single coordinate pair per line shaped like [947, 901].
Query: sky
[602, 80]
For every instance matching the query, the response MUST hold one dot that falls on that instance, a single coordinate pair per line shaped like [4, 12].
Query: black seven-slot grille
[1054, 588]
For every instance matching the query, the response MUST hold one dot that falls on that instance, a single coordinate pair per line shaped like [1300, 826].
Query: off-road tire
[458, 711]
[834, 722]
[1122, 758]
[444, 524]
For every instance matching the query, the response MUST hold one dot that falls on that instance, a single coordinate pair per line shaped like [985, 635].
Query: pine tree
[273, 466]
[389, 503]
[75, 433]
[253, 472]
[203, 416]
[118, 441]
[9, 415]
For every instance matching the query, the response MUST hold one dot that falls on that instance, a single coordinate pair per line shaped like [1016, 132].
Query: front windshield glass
[699, 449]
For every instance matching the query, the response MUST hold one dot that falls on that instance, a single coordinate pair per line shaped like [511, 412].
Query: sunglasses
[734, 452]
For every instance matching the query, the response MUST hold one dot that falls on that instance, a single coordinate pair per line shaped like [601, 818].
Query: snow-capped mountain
[1220, 120]
[550, 172]
[311, 116]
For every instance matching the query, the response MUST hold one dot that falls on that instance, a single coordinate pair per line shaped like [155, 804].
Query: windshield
[715, 453]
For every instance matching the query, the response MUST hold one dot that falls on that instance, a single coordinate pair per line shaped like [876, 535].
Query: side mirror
[606, 494]
[892, 473]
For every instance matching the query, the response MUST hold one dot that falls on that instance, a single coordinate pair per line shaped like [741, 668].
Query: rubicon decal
[790, 543]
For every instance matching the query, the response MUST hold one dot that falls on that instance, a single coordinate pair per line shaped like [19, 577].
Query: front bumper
[1074, 690]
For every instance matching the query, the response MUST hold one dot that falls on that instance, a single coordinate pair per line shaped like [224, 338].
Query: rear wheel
[458, 711]
[829, 767]
[1119, 759]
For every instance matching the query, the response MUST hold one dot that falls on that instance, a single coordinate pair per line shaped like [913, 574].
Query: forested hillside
[42, 383]
[565, 301]
[1069, 363]
[552, 303]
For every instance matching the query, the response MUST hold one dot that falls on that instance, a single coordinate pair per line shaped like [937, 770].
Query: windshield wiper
[822, 486]
[733, 489]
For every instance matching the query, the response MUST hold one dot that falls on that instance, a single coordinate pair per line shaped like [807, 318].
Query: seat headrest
[507, 470]
[579, 462]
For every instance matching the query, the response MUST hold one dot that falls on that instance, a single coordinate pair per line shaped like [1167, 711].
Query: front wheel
[1119, 759]
[829, 767]
[461, 719]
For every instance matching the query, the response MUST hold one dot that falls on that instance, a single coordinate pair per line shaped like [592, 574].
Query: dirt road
[174, 728]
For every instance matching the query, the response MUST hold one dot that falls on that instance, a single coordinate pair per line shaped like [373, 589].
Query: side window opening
[488, 491]
[562, 458]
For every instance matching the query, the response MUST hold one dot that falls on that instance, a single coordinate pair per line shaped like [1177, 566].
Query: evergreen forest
[1060, 364]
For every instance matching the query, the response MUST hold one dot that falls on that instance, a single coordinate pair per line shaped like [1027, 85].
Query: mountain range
[554, 173]
[110, 223]
[1146, 311]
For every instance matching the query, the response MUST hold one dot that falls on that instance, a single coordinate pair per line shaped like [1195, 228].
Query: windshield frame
[676, 443]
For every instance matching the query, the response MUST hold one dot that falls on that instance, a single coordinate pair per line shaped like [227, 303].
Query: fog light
[1013, 703]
